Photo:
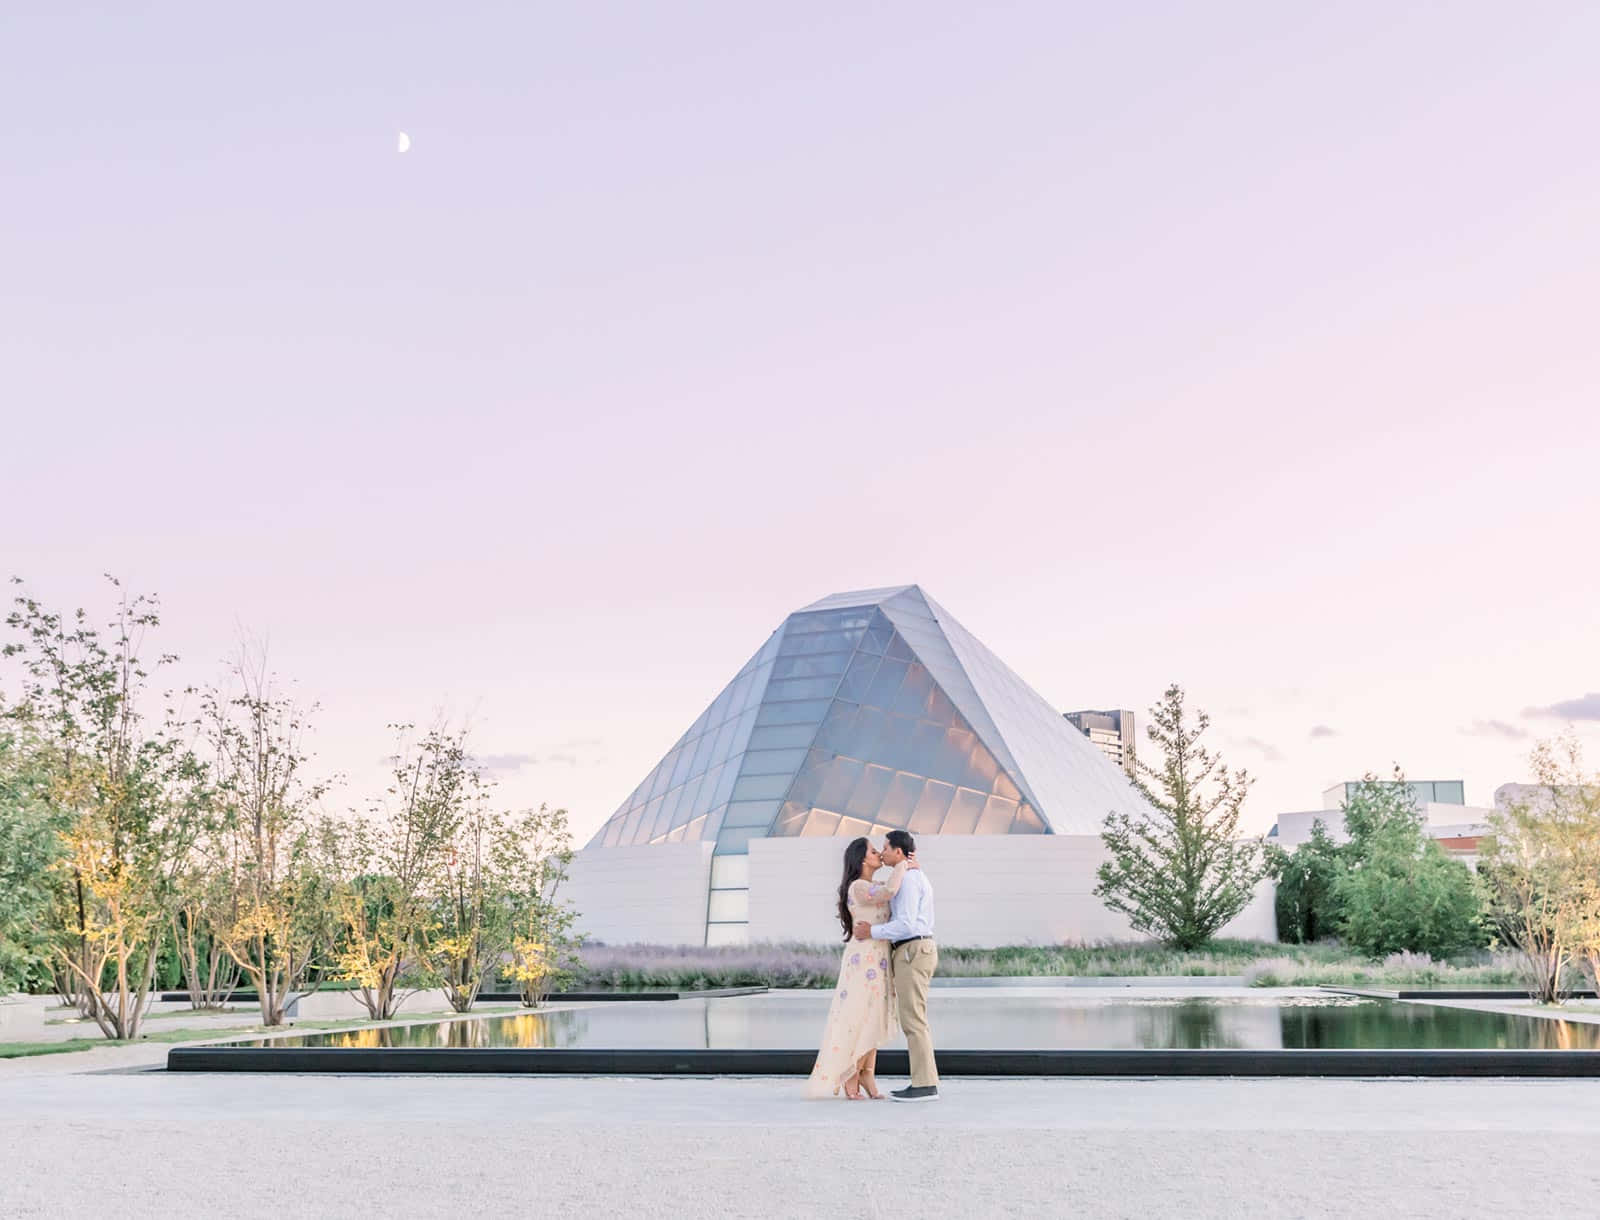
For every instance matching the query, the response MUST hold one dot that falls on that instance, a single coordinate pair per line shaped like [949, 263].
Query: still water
[1038, 1020]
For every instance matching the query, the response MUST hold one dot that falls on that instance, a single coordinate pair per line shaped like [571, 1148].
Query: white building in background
[1448, 819]
[865, 712]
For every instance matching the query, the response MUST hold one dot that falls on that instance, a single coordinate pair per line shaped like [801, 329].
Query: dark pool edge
[648, 1062]
[564, 997]
[1391, 993]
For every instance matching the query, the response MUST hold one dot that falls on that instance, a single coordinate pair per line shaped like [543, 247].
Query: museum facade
[864, 712]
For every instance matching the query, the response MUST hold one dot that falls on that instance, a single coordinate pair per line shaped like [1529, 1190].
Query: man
[915, 956]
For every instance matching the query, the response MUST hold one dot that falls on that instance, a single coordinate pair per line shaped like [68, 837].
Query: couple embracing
[889, 959]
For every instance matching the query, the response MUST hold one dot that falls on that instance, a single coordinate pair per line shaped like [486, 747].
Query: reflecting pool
[1016, 1019]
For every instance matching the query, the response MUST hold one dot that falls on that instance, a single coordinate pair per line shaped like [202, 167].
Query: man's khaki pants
[913, 967]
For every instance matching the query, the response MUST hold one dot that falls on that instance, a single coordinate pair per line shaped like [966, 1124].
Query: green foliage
[1540, 866]
[1180, 872]
[1399, 891]
[30, 847]
[123, 789]
[1307, 901]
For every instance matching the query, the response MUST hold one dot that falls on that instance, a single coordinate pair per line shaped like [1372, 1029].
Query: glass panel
[613, 832]
[981, 764]
[675, 836]
[705, 797]
[721, 708]
[792, 820]
[680, 769]
[730, 773]
[809, 711]
[931, 808]
[820, 641]
[964, 810]
[867, 734]
[838, 730]
[801, 688]
[1004, 787]
[820, 824]
[913, 697]
[702, 753]
[878, 636]
[724, 742]
[840, 780]
[890, 674]
[1027, 822]
[712, 823]
[770, 648]
[773, 762]
[761, 787]
[957, 750]
[927, 751]
[729, 906]
[997, 815]
[809, 782]
[734, 841]
[662, 773]
[851, 828]
[752, 813]
[899, 650]
[900, 802]
[782, 736]
[869, 793]
[727, 934]
[858, 678]
[669, 806]
[730, 872]
[811, 666]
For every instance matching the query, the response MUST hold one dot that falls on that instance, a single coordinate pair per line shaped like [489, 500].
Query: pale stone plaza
[434, 1146]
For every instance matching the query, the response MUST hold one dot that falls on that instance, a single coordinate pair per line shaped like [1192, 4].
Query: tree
[1399, 891]
[264, 889]
[29, 850]
[1540, 864]
[395, 860]
[124, 789]
[1178, 870]
[1306, 902]
[543, 949]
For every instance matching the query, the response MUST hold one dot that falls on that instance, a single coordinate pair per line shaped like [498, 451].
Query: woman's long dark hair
[855, 855]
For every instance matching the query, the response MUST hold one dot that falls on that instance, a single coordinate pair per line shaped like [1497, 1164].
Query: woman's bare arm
[877, 891]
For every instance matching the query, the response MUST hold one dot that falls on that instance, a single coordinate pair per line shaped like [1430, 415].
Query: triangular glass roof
[863, 712]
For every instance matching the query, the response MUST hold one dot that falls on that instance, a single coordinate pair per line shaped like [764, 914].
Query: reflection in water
[1037, 1020]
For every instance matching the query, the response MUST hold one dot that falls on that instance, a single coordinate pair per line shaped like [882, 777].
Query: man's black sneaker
[917, 1092]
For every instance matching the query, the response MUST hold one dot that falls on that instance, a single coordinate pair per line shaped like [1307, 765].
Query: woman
[861, 1017]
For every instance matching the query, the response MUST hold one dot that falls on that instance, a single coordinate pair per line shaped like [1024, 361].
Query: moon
[404, 144]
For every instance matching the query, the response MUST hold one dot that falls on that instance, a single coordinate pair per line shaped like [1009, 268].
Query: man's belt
[896, 944]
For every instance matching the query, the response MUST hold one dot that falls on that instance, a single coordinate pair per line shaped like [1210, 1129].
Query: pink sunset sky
[1248, 346]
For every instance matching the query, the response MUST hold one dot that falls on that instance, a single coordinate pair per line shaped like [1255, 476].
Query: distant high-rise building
[1110, 731]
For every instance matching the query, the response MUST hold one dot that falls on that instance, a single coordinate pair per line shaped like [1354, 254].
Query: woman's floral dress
[862, 1015]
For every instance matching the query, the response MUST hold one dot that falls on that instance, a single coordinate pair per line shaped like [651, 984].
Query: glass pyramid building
[865, 712]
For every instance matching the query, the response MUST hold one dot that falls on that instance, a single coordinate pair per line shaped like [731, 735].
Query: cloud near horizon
[1323, 730]
[505, 762]
[1268, 751]
[1585, 707]
[1495, 728]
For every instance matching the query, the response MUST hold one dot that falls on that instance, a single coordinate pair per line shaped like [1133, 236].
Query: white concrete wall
[989, 890]
[651, 893]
